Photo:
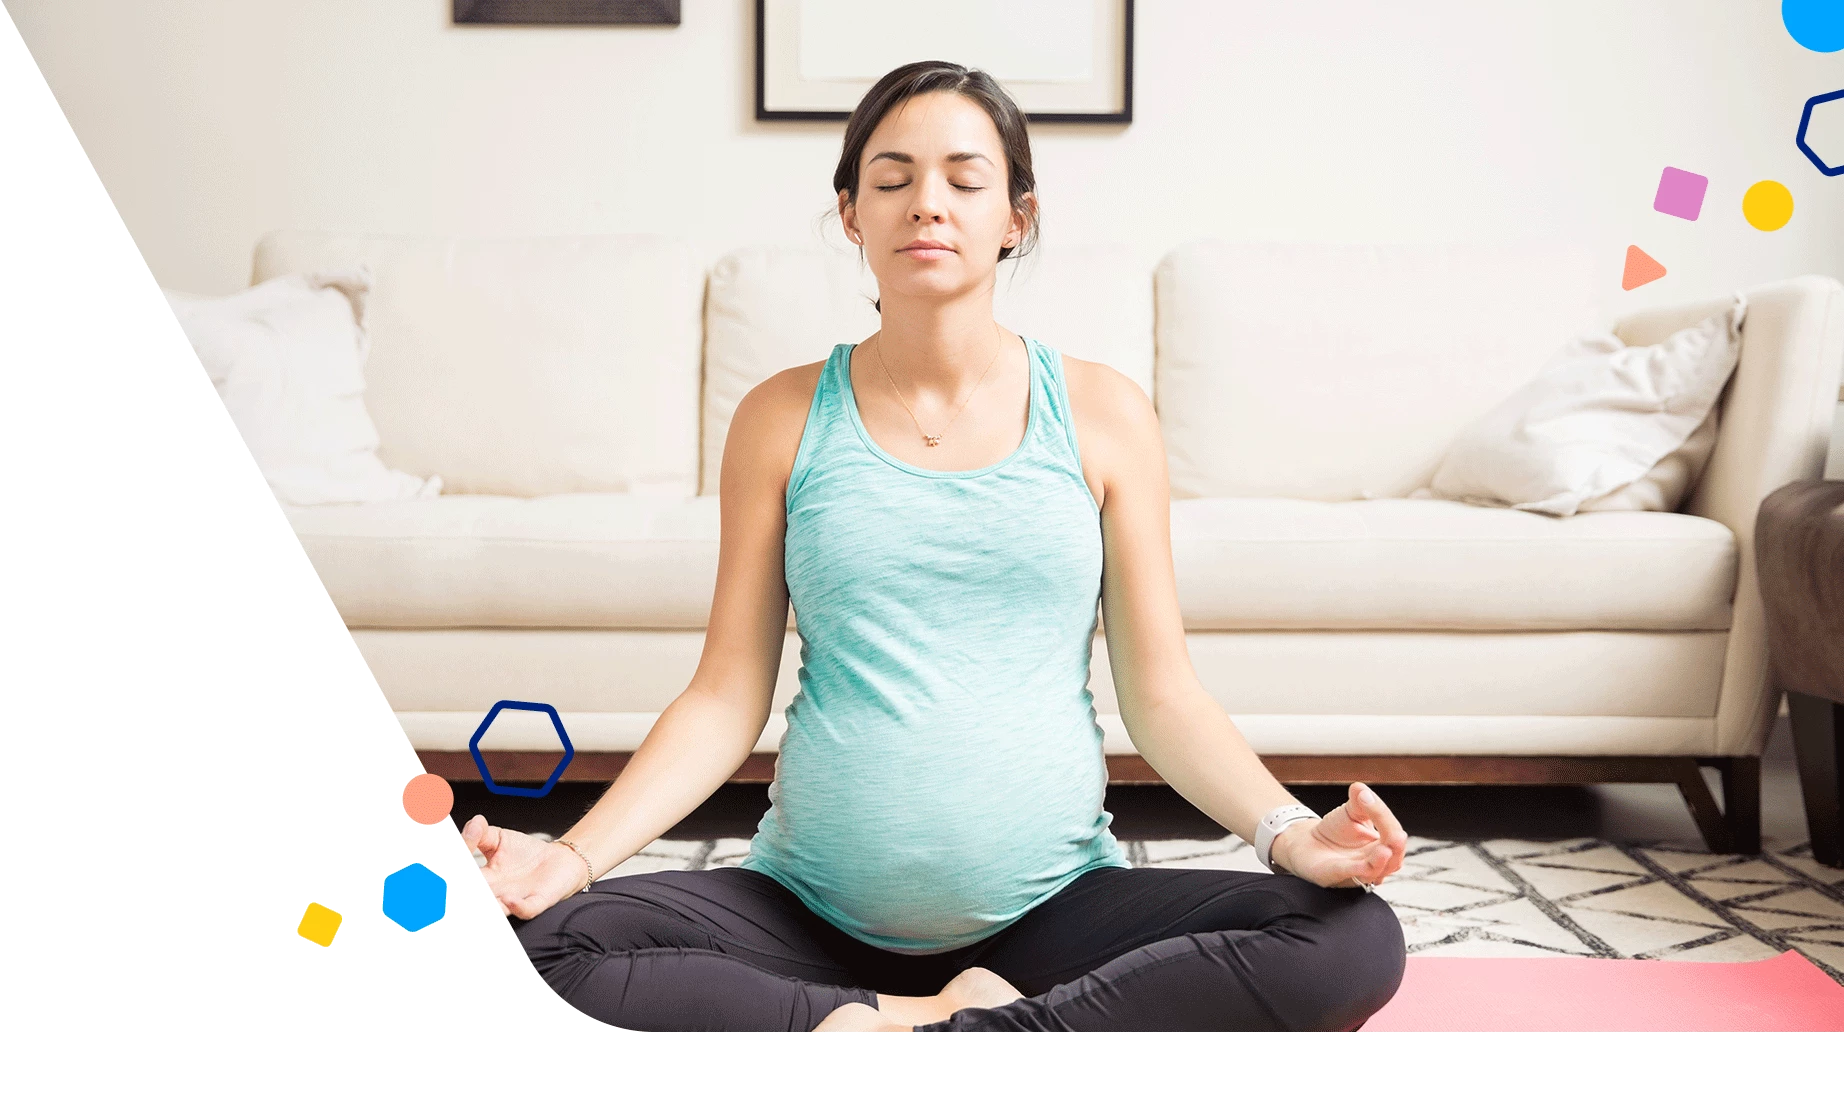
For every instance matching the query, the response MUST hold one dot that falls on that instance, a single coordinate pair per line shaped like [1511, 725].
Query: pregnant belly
[891, 852]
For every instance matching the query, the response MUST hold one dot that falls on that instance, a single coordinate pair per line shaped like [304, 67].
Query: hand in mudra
[1357, 841]
[526, 874]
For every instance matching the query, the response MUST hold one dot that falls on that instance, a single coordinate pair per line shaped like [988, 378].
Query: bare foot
[973, 988]
[859, 1017]
[976, 988]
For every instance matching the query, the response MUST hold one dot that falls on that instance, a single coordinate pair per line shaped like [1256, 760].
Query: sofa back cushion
[771, 308]
[525, 366]
[1342, 371]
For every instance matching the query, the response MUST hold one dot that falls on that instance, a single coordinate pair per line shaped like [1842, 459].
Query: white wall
[211, 121]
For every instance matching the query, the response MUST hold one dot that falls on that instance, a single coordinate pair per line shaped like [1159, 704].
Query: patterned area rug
[1505, 898]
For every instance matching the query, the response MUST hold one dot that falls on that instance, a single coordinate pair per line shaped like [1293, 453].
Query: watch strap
[1272, 824]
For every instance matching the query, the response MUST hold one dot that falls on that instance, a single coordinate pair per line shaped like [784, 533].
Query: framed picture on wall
[536, 12]
[1063, 61]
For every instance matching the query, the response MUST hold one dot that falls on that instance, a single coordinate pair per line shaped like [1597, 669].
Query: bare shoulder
[1105, 391]
[766, 428]
[782, 392]
[1116, 425]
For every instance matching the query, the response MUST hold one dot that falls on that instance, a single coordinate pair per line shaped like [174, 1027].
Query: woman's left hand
[1357, 842]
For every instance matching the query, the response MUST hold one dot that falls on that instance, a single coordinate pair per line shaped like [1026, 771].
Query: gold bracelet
[588, 869]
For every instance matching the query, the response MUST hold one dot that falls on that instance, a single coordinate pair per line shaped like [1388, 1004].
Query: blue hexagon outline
[1805, 120]
[473, 747]
[413, 873]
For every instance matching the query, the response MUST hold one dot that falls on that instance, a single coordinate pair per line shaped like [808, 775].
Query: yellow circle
[1767, 205]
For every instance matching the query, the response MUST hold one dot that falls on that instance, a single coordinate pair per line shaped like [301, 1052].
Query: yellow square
[319, 924]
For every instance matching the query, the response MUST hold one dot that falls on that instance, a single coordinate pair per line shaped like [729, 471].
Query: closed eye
[900, 185]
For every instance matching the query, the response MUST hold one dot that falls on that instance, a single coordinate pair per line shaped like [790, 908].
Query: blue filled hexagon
[414, 897]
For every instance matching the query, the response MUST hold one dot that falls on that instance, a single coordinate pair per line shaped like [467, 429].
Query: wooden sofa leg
[1818, 743]
[1741, 803]
[1735, 827]
[1703, 808]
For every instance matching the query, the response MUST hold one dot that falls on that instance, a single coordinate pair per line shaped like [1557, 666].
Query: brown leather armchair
[1799, 549]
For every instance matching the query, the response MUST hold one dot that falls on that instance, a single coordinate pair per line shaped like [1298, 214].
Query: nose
[928, 207]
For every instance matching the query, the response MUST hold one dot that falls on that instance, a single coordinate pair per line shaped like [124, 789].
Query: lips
[927, 249]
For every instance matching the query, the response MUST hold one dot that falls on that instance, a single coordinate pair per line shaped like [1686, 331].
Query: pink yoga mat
[1784, 993]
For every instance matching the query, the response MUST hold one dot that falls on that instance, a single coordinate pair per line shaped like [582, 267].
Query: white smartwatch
[1272, 824]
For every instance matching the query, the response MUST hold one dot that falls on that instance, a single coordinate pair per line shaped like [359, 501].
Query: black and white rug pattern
[1590, 898]
[1506, 898]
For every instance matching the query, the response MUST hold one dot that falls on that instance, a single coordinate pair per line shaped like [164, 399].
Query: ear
[848, 216]
[1024, 215]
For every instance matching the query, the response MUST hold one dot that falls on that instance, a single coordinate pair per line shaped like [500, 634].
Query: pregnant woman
[946, 505]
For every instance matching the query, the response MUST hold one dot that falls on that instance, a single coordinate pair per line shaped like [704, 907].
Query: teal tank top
[941, 772]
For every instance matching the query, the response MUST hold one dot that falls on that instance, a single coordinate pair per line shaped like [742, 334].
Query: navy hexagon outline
[1805, 121]
[473, 747]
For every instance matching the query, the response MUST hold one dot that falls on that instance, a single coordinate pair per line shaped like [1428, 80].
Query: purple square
[1680, 193]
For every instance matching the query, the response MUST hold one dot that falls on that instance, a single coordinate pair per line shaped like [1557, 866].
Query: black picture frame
[1124, 116]
[549, 12]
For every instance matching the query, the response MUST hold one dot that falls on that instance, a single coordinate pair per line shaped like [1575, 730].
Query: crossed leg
[1192, 950]
[731, 950]
[718, 950]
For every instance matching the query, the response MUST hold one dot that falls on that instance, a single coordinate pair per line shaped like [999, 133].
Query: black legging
[1116, 950]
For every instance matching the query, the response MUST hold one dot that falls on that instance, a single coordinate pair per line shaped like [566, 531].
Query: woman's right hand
[526, 874]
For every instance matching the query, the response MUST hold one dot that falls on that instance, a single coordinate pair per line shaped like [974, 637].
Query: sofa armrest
[1774, 427]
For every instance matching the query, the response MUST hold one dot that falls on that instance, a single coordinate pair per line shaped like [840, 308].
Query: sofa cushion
[1414, 672]
[586, 561]
[1399, 563]
[1392, 691]
[629, 561]
[771, 308]
[1335, 371]
[525, 366]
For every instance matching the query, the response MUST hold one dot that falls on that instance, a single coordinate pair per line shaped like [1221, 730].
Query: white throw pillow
[287, 358]
[1662, 489]
[1603, 427]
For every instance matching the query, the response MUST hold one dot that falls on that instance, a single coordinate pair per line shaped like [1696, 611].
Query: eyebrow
[899, 156]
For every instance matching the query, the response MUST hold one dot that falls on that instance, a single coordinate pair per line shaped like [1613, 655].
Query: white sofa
[574, 394]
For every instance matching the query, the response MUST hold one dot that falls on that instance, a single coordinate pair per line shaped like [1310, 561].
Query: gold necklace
[935, 440]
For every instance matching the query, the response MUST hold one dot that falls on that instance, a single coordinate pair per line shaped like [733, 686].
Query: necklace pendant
[932, 440]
